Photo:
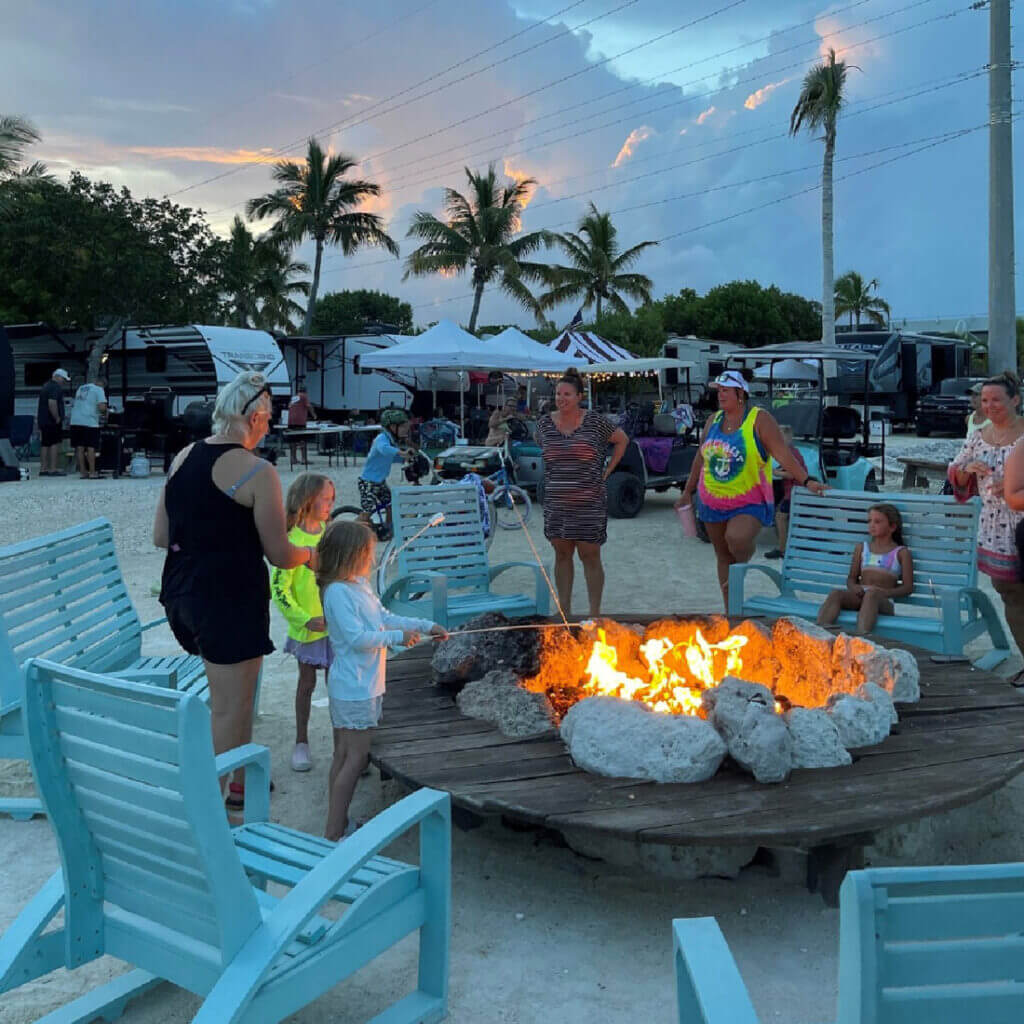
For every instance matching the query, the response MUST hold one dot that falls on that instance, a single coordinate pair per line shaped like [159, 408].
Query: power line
[348, 121]
[931, 143]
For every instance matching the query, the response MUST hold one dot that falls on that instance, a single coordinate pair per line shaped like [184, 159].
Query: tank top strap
[245, 478]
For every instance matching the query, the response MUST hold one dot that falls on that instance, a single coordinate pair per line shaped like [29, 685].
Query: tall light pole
[1002, 305]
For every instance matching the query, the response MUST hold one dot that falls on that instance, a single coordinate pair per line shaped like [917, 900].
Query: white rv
[188, 363]
[707, 356]
[328, 367]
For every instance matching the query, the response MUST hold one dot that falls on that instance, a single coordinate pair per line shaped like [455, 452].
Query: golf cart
[834, 440]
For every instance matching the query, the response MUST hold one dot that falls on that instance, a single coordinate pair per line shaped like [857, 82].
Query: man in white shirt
[89, 405]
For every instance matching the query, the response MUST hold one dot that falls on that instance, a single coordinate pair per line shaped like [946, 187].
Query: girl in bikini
[881, 569]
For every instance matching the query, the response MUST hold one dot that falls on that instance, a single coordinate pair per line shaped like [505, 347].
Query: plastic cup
[686, 519]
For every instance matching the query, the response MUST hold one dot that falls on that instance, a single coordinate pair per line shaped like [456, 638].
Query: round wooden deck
[964, 739]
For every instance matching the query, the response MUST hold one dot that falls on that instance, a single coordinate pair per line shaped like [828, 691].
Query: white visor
[731, 379]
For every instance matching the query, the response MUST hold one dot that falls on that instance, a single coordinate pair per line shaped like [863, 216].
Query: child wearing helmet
[383, 454]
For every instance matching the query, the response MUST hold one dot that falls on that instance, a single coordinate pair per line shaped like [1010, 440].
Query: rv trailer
[709, 358]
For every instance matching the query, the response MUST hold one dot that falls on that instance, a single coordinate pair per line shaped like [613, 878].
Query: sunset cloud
[759, 96]
[705, 114]
[206, 154]
[635, 137]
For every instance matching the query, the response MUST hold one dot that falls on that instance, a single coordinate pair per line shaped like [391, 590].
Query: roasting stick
[544, 572]
[585, 624]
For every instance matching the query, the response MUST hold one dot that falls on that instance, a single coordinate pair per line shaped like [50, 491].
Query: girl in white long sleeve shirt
[360, 630]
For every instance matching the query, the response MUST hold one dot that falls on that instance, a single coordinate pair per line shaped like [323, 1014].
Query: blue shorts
[764, 514]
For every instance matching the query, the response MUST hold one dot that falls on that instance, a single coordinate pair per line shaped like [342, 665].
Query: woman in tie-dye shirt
[733, 474]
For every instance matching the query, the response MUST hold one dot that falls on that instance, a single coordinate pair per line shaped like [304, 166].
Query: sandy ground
[539, 932]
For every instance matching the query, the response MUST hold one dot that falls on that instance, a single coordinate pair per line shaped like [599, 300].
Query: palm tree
[480, 234]
[817, 109]
[15, 134]
[258, 275]
[317, 201]
[597, 267]
[853, 296]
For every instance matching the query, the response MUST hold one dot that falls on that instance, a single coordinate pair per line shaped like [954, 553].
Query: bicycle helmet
[393, 418]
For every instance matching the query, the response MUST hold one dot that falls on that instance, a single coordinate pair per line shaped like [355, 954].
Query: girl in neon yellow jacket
[308, 506]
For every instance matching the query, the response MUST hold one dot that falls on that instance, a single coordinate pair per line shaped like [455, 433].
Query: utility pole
[1002, 305]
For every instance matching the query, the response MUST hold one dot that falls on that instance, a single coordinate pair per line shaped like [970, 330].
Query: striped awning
[586, 345]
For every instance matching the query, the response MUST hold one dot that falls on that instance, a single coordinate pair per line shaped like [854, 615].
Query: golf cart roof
[804, 350]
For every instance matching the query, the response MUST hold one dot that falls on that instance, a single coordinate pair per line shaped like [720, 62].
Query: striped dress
[575, 502]
[737, 475]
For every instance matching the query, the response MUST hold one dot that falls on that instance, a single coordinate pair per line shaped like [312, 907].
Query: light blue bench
[942, 536]
[151, 872]
[443, 573]
[63, 597]
[933, 945]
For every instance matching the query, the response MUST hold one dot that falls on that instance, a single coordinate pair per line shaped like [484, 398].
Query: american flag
[576, 320]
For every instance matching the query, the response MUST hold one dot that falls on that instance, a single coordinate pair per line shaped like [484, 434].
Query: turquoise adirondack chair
[62, 597]
[152, 873]
[932, 945]
[443, 571]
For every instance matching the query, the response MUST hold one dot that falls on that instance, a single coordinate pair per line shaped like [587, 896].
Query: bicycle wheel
[510, 507]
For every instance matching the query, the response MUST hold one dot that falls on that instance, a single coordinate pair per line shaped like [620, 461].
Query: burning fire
[665, 689]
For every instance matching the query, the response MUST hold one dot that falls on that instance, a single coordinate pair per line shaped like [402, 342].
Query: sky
[673, 117]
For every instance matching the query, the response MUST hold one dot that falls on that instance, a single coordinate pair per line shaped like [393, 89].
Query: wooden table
[963, 740]
[911, 465]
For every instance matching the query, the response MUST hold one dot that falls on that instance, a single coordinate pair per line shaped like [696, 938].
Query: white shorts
[356, 714]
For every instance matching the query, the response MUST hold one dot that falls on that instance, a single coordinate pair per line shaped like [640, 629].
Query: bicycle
[382, 528]
[510, 504]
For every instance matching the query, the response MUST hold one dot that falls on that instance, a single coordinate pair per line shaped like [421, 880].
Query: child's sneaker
[300, 758]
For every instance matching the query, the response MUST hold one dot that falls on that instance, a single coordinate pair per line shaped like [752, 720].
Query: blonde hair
[302, 493]
[233, 398]
[342, 550]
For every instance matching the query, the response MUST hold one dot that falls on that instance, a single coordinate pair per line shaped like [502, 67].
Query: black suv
[946, 410]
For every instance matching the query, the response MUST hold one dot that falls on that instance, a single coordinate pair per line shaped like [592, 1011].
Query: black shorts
[50, 436]
[223, 633]
[373, 495]
[84, 437]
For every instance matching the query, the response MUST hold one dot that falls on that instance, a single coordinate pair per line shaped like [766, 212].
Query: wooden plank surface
[964, 739]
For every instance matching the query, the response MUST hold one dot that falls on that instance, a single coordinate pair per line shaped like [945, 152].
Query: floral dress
[997, 545]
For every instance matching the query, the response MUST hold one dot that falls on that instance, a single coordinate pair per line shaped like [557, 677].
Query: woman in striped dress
[733, 474]
[573, 444]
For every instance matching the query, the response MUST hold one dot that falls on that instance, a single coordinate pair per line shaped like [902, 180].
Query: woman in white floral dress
[979, 469]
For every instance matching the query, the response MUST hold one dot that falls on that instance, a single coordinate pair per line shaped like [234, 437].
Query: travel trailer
[183, 364]
[328, 367]
[708, 357]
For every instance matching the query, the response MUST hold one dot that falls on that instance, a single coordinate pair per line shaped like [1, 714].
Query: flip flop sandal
[1018, 680]
[236, 795]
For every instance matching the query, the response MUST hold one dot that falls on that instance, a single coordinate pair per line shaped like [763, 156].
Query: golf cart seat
[665, 425]
[840, 422]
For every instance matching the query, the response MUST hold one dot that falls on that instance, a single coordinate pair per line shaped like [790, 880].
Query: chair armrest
[737, 583]
[155, 622]
[709, 987]
[250, 965]
[542, 596]
[256, 761]
[165, 677]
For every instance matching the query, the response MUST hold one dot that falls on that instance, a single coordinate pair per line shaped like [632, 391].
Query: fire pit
[669, 701]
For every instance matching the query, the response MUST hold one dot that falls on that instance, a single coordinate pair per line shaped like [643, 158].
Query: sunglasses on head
[265, 390]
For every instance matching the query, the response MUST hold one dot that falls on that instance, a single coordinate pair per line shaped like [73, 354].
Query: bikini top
[889, 562]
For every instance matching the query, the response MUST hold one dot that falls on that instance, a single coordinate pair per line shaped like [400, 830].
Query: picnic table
[298, 437]
[914, 470]
[963, 740]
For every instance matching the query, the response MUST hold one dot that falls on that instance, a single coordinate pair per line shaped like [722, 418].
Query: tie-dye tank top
[737, 474]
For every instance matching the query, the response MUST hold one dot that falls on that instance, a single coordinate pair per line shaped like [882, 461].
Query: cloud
[635, 137]
[207, 154]
[705, 114]
[759, 96]
[830, 29]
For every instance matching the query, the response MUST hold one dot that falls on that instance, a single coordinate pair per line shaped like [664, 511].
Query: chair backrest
[21, 429]
[454, 547]
[126, 775]
[823, 531]
[932, 944]
[62, 597]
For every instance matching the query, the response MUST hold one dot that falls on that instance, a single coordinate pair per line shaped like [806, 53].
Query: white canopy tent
[787, 369]
[446, 346]
[653, 364]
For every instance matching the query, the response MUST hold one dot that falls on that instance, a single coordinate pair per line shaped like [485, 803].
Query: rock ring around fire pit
[963, 739]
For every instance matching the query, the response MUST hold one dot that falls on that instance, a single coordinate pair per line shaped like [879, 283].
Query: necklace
[1001, 438]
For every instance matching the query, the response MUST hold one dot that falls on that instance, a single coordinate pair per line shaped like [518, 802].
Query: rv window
[37, 374]
[715, 367]
[156, 359]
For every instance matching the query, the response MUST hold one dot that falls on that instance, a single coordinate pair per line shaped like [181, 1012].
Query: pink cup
[689, 524]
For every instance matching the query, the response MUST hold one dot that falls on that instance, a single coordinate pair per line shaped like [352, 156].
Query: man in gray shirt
[50, 417]
[89, 406]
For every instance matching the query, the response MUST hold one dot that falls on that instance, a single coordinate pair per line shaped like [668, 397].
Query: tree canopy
[352, 311]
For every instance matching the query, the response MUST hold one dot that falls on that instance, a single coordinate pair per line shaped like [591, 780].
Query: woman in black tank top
[220, 514]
